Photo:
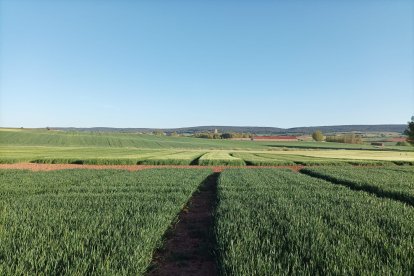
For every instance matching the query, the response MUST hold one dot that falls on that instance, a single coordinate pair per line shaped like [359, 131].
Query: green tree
[410, 131]
[317, 135]
[158, 133]
[226, 136]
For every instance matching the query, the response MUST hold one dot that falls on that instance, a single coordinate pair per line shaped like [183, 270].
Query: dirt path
[53, 167]
[189, 244]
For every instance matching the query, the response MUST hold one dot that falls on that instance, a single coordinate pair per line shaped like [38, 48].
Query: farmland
[215, 158]
[273, 221]
[131, 149]
[206, 138]
[397, 183]
[266, 221]
[83, 222]
[348, 211]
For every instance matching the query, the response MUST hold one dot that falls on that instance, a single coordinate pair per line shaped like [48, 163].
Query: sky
[167, 64]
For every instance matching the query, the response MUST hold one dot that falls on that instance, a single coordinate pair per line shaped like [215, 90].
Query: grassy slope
[117, 140]
[97, 139]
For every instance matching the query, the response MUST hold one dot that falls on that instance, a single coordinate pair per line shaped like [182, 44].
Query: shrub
[317, 136]
[405, 144]
[410, 131]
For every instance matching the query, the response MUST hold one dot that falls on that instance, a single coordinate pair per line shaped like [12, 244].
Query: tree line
[232, 135]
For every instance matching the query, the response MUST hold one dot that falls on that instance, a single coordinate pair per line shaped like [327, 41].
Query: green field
[175, 158]
[39, 146]
[276, 222]
[264, 159]
[310, 158]
[396, 183]
[206, 138]
[338, 219]
[267, 221]
[130, 140]
[82, 222]
[215, 158]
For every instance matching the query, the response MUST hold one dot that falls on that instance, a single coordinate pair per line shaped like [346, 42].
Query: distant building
[215, 131]
[275, 138]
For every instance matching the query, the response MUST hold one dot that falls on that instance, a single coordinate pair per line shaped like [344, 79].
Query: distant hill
[350, 128]
[249, 129]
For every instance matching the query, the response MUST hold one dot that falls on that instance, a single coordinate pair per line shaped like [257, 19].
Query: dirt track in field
[189, 244]
[54, 167]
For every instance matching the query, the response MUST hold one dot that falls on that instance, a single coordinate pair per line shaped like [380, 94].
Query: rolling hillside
[399, 128]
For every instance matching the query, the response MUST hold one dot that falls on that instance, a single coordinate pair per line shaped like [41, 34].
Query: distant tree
[208, 135]
[175, 134]
[353, 139]
[346, 138]
[317, 136]
[215, 136]
[48, 128]
[410, 131]
[226, 136]
[158, 132]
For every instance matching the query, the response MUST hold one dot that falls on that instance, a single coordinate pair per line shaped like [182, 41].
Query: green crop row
[395, 183]
[178, 158]
[303, 160]
[275, 159]
[276, 222]
[218, 158]
[82, 222]
[257, 159]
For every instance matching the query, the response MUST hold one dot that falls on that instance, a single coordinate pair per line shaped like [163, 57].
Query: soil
[53, 167]
[189, 244]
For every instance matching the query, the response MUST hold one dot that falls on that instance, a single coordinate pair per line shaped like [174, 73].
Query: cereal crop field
[162, 205]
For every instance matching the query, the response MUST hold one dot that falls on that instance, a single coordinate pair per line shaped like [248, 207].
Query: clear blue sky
[188, 63]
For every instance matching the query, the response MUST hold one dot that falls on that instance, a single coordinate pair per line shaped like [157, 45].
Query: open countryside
[42, 146]
[317, 207]
[207, 138]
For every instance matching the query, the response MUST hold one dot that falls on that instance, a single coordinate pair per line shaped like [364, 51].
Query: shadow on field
[195, 161]
[189, 244]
